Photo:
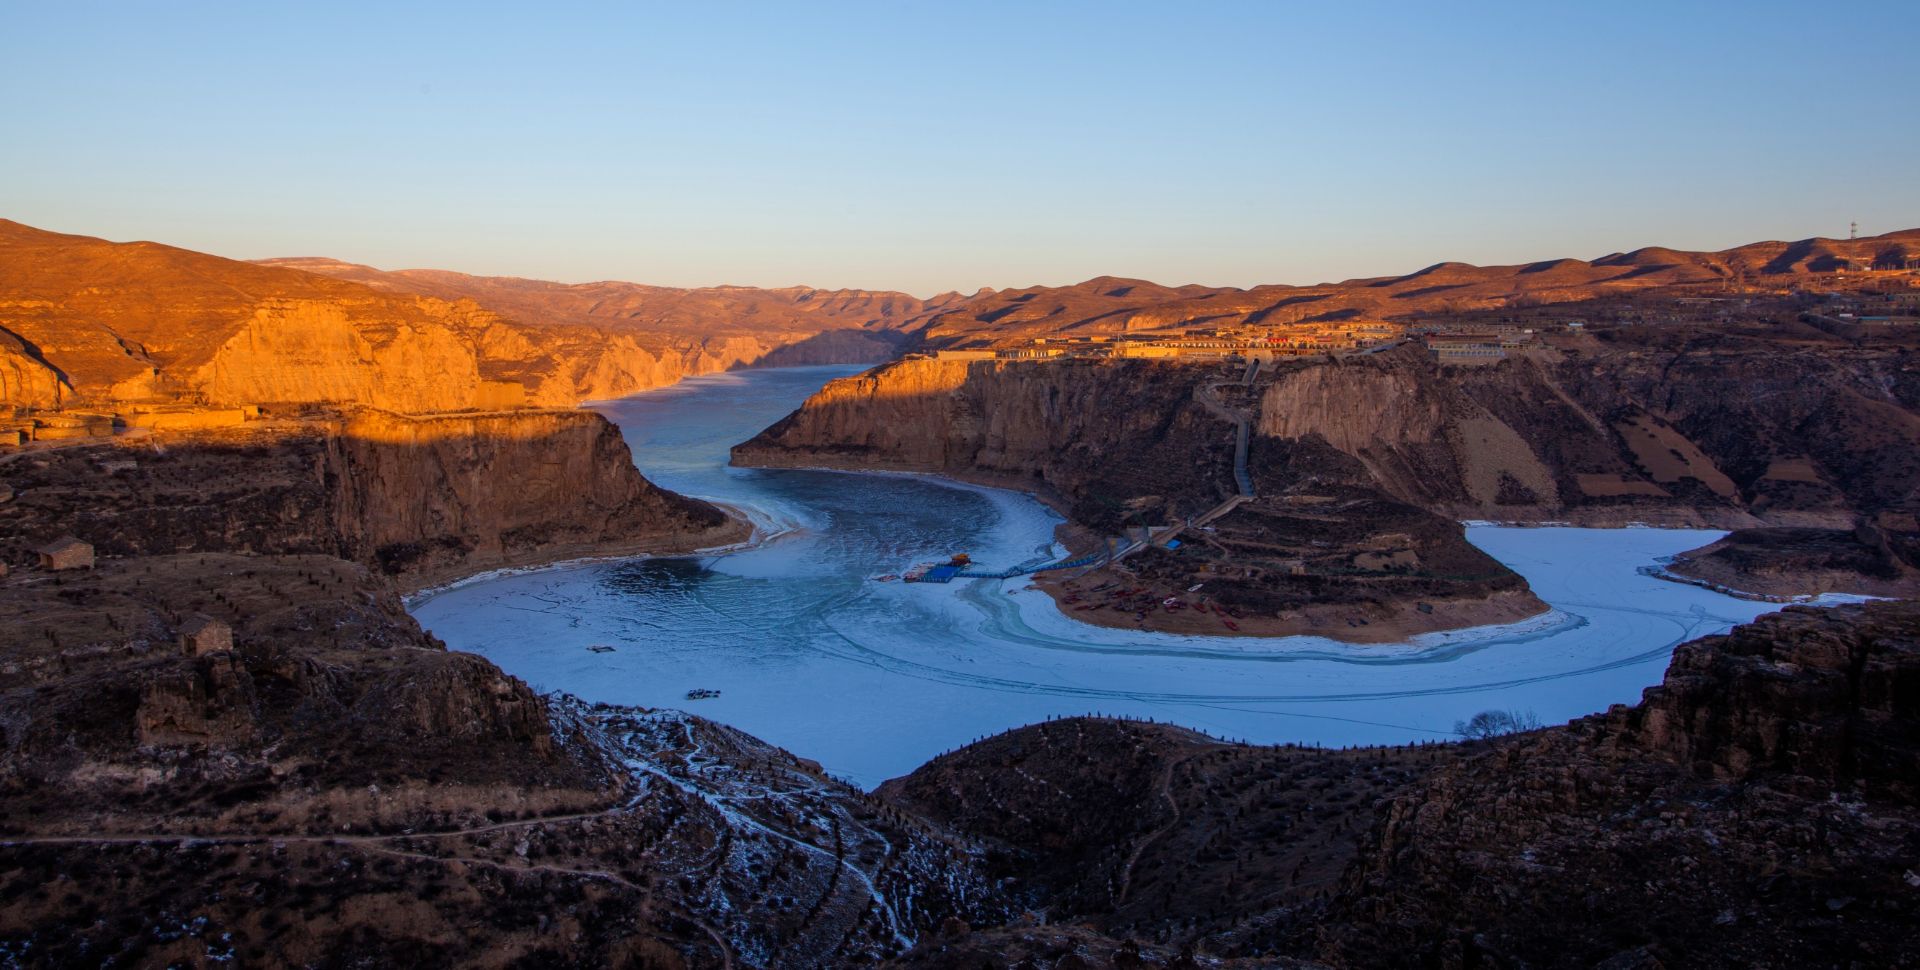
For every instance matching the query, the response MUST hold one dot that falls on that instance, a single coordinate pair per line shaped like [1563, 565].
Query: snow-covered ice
[872, 679]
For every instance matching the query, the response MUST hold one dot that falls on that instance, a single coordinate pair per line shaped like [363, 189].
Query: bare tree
[1493, 724]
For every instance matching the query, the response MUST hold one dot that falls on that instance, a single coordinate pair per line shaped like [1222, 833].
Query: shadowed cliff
[424, 499]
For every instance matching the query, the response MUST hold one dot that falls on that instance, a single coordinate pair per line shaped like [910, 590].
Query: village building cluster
[1444, 342]
[1212, 343]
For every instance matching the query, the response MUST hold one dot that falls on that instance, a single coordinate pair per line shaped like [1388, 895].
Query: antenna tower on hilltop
[1853, 230]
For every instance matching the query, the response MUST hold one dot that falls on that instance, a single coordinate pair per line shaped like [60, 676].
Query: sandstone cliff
[26, 378]
[442, 496]
[1035, 424]
[422, 499]
[1679, 428]
[1349, 456]
[1118, 445]
[1725, 431]
[85, 321]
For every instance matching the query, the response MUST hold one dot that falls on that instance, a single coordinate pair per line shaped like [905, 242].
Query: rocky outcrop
[422, 499]
[329, 683]
[312, 351]
[1725, 431]
[336, 787]
[1721, 430]
[446, 357]
[437, 497]
[1786, 562]
[910, 415]
[1406, 424]
[1756, 809]
[25, 378]
[1752, 810]
[1056, 427]
[1818, 700]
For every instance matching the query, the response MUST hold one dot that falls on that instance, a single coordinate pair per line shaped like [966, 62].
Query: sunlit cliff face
[519, 424]
[86, 322]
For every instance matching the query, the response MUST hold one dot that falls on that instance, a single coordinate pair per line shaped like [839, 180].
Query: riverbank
[740, 532]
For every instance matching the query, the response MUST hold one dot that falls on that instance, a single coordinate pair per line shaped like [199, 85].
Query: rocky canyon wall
[448, 357]
[86, 322]
[1744, 433]
[1749, 811]
[1755, 809]
[1730, 435]
[1079, 431]
[437, 497]
[422, 500]
[27, 380]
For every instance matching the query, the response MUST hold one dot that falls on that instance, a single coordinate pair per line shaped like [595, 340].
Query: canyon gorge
[227, 740]
[1359, 464]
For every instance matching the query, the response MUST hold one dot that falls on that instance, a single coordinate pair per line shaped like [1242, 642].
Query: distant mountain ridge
[701, 311]
[84, 321]
[1109, 304]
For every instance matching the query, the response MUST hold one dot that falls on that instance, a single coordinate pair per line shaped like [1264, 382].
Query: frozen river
[872, 679]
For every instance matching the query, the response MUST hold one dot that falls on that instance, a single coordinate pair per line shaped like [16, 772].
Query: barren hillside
[89, 323]
[1115, 305]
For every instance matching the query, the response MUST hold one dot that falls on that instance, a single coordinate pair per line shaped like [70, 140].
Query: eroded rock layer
[422, 499]
[1722, 430]
[88, 322]
[1674, 426]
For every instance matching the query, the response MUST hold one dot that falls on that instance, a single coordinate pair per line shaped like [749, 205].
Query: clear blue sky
[950, 146]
